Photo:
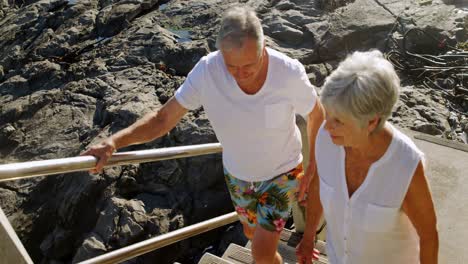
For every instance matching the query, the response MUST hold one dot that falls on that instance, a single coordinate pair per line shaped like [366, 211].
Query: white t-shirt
[370, 227]
[258, 132]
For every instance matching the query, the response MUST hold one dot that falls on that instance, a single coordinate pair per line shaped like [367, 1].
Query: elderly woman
[373, 190]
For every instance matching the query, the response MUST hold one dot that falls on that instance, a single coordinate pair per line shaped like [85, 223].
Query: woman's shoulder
[405, 145]
[322, 135]
[325, 149]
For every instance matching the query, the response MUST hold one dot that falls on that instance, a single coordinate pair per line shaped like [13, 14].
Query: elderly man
[250, 94]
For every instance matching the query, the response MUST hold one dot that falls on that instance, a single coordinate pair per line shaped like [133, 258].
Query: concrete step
[238, 255]
[287, 246]
[212, 259]
[288, 252]
[292, 238]
[241, 255]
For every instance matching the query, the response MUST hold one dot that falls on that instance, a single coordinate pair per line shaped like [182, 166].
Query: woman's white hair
[237, 25]
[364, 85]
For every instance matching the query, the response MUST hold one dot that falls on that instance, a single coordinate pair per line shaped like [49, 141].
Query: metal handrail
[30, 169]
[160, 241]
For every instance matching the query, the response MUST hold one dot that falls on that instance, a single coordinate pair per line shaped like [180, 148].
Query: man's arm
[305, 250]
[314, 121]
[419, 207]
[151, 126]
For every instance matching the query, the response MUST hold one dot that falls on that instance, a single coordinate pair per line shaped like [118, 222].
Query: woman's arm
[419, 207]
[305, 249]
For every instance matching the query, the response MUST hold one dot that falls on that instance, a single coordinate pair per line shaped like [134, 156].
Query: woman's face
[346, 131]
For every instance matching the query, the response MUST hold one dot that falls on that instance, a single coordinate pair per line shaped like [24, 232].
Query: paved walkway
[447, 171]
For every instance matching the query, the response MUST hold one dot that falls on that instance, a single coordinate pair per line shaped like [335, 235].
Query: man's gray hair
[238, 24]
[364, 85]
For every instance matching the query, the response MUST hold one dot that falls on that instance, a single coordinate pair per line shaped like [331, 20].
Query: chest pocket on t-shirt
[380, 219]
[277, 116]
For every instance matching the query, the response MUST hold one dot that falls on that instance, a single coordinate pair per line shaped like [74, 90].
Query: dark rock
[427, 128]
[283, 30]
[284, 5]
[165, 172]
[288, 35]
[43, 75]
[113, 18]
[354, 28]
[186, 55]
[211, 204]
[464, 125]
[57, 244]
[81, 190]
[10, 137]
[92, 246]
[72, 73]
[119, 223]
[298, 18]
[9, 199]
[318, 30]
[129, 228]
[318, 72]
[14, 87]
[331, 5]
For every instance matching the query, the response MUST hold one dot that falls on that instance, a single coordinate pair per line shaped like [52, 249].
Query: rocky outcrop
[74, 72]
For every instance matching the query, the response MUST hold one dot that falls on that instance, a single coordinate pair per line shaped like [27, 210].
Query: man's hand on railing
[304, 184]
[102, 151]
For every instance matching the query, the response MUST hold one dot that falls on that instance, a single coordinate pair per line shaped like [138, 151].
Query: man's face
[245, 63]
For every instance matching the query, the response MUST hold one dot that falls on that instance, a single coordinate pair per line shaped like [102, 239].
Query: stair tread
[238, 254]
[241, 255]
[291, 239]
[209, 258]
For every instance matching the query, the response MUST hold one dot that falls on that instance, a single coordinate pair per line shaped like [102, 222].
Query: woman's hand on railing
[102, 151]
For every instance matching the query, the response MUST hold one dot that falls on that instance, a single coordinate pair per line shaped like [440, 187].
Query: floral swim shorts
[266, 203]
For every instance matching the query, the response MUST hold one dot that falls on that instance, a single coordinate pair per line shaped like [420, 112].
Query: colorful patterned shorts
[267, 203]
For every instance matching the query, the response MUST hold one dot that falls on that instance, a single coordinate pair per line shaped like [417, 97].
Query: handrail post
[298, 212]
[11, 248]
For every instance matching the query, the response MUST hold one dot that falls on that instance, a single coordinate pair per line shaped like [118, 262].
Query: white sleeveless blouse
[371, 226]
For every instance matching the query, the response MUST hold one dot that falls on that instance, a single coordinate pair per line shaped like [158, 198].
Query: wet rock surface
[74, 72]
